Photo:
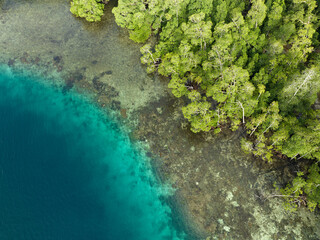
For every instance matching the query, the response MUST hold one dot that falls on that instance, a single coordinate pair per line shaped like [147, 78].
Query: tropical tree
[91, 10]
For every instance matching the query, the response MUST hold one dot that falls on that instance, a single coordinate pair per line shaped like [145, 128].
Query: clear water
[69, 172]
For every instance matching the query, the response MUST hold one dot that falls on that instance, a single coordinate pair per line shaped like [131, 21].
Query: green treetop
[239, 63]
[91, 10]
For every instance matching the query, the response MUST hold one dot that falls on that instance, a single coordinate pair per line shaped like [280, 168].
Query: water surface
[67, 171]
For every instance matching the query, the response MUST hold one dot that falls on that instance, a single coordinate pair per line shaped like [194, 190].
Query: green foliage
[310, 186]
[178, 86]
[200, 116]
[300, 92]
[240, 63]
[292, 193]
[197, 31]
[257, 13]
[133, 15]
[91, 10]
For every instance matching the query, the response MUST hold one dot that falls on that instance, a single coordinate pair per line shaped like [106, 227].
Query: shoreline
[216, 182]
[179, 217]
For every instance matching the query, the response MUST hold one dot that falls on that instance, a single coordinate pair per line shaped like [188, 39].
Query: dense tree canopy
[240, 63]
[91, 10]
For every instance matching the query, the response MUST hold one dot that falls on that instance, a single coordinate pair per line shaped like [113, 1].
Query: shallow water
[67, 171]
[219, 190]
[45, 35]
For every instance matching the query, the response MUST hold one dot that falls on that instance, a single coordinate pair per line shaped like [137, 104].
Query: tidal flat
[220, 192]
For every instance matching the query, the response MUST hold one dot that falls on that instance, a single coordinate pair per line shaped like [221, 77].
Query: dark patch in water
[106, 73]
[11, 62]
[111, 91]
[58, 42]
[149, 154]
[78, 76]
[36, 60]
[57, 59]
[98, 85]
[6, 5]
[58, 63]
[24, 58]
[69, 82]
[68, 86]
[68, 35]
[115, 105]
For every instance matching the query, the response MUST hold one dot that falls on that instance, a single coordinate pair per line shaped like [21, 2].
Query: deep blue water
[69, 172]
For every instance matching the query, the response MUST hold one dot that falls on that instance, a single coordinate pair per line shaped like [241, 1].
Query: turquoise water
[69, 172]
